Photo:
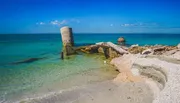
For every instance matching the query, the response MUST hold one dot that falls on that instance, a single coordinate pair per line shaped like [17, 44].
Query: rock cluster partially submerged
[113, 50]
[109, 49]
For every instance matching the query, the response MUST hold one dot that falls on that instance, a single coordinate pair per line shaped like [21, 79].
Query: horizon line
[84, 33]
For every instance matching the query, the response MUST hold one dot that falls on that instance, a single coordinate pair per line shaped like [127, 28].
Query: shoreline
[78, 80]
[132, 76]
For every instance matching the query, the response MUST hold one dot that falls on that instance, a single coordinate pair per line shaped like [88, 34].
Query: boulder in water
[121, 41]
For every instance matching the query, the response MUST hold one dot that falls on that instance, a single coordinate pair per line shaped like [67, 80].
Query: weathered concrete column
[67, 36]
[67, 40]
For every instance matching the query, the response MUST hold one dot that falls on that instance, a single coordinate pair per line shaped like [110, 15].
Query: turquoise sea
[48, 73]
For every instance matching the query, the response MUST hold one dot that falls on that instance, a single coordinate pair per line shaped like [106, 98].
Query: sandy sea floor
[92, 86]
[74, 72]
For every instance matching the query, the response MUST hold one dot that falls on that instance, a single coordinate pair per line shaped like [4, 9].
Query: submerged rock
[109, 49]
[30, 60]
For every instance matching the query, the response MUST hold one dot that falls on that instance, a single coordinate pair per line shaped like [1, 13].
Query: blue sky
[90, 16]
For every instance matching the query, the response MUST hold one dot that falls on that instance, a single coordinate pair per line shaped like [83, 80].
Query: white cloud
[40, 23]
[59, 23]
[127, 25]
[139, 24]
[111, 24]
[56, 22]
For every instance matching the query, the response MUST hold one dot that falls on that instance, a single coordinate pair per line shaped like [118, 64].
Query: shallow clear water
[21, 80]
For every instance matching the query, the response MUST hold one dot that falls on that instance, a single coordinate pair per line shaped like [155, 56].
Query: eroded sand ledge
[160, 72]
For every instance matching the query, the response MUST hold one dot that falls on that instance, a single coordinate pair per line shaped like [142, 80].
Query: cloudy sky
[90, 16]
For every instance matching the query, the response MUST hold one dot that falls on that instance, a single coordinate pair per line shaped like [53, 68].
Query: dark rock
[162, 49]
[148, 51]
[106, 53]
[128, 97]
[62, 55]
[30, 60]
[156, 49]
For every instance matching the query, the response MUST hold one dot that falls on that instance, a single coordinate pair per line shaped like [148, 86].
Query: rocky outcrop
[109, 49]
[155, 50]
[136, 49]
[159, 50]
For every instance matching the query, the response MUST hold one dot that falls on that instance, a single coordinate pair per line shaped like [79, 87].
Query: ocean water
[49, 73]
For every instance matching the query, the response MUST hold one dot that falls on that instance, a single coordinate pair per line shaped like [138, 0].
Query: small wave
[51, 97]
[3, 98]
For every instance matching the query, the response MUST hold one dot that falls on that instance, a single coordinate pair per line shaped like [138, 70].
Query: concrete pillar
[67, 36]
[67, 40]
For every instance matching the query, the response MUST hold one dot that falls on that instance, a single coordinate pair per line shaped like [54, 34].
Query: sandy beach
[142, 78]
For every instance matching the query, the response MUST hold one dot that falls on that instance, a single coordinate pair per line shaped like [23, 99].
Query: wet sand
[104, 92]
